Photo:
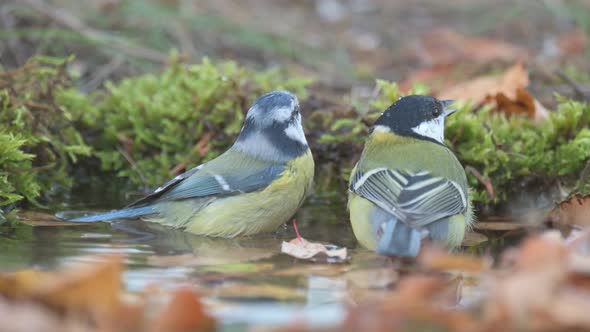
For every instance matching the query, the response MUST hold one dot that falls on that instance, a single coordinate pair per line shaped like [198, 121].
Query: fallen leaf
[20, 284]
[537, 292]
[303, 249]
[415, 306]
[479, 89]
[573, 212]
[83, 288]
[436, 258]
[36, 219]
[444, 46]
[542, 252]
[506, 93]
[183, 313]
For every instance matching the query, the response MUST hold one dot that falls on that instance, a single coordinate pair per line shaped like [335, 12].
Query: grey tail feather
[397, 239]
[118, 214]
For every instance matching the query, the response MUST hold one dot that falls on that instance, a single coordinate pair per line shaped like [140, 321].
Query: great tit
[407, 184]
[254, 187]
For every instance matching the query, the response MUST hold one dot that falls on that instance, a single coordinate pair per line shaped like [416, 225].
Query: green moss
[515, 152]
[147, 128]
[37, 137]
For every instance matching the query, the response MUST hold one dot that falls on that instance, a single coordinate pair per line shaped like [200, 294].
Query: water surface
[246, 282]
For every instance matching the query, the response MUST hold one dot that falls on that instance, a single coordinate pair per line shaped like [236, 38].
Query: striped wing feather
[417, 199]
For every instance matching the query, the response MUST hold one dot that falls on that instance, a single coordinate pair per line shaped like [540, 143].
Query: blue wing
[206, 183]
[225, 176]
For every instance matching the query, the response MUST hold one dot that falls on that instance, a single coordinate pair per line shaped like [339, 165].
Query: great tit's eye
[437, 111]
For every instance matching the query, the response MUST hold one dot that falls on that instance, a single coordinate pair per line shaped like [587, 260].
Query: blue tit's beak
[446, 107]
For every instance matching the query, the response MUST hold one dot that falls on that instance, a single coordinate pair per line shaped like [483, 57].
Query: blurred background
[343, 44]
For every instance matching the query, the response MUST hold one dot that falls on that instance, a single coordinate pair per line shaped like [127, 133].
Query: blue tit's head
[416, 116]
[272, 129]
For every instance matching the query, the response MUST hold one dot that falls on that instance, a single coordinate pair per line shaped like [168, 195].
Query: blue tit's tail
[397, 239]
[128, 213]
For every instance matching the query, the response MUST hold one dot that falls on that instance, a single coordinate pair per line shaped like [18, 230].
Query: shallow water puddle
[245, 281]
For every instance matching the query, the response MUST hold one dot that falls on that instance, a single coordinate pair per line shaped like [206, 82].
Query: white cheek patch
[434, 129]
[295, 132]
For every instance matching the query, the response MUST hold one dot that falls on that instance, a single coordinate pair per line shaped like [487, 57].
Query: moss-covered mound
[151, 127]
[38, 138]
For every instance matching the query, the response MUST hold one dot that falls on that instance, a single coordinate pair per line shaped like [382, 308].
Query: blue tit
[253, 187]
[407, 184]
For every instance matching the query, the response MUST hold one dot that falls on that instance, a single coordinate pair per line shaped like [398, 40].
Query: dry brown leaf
[440, 259]
[416, 305]
[84, 288]
[574, 211]
[93, 288]
[478, 89]
[21, 284]
[543, 252]
[447, 47]
[541, 291]
[183, 313]
[303, 249]
[506, 93]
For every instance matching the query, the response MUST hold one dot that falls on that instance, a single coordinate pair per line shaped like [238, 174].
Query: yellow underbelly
[360, 210]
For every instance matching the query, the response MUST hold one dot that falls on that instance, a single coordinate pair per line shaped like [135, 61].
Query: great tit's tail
[128, 213]
[394, 238]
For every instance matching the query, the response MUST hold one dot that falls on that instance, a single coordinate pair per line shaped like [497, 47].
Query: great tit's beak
[446, 104]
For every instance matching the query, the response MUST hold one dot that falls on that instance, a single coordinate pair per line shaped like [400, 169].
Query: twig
[68, 20]
[585, 173]
[133, 164]
[485, 181]
[103, 73]
[184, 38]
[575, 85]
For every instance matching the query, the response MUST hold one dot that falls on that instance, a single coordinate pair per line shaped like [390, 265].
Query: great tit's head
[416, 116]
[272, 129]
